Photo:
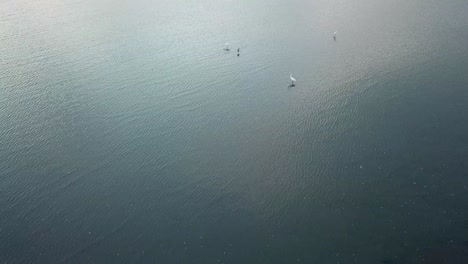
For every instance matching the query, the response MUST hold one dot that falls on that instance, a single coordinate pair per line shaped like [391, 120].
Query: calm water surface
[128, 135]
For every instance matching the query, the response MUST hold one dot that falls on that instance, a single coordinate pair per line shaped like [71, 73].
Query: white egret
[334, 34]
[292, 80]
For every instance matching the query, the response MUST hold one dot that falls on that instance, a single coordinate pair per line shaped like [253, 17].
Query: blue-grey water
[128, 135]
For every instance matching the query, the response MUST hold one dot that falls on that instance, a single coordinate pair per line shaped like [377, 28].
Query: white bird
[334, 34]
[227, 46]
[292, 80]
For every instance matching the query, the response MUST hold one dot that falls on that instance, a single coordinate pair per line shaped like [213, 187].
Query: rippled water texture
[128, 135]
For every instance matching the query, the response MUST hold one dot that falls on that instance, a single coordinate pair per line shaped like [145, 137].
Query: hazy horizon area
[128, 134]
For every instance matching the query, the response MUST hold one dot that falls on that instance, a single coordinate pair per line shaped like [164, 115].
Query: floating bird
[227, 46]
[292, 80]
